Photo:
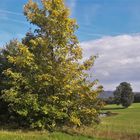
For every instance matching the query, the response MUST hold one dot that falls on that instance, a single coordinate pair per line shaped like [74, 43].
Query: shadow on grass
[115, 108]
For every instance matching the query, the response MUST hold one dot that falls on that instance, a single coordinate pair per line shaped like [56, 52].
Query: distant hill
[107, 94]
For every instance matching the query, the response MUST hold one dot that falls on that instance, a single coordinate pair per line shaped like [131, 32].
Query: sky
[107, 28]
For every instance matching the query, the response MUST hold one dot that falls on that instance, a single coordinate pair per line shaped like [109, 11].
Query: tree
[137, 97]
[123, 94]
[10, 49]
[46, 84]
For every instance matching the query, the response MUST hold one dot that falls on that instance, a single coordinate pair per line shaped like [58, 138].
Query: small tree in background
[124, 95]
[43, 82]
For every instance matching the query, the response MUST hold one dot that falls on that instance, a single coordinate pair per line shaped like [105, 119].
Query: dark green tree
[9, 49]
[124, 95]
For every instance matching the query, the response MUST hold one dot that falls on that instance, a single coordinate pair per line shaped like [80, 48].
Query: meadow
[123, 124]
[123, 120]
[20, 135]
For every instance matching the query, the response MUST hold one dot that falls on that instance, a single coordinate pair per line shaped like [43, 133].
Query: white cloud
[118, 61]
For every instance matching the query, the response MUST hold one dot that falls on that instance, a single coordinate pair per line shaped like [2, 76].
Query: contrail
[14, 20]
[11, 12]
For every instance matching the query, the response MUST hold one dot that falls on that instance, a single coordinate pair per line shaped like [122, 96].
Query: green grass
[126, 120]
[123, 126]
[19, 135]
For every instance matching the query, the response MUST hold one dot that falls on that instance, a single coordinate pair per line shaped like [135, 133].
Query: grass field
[126, 120]
[124, 125]
[5, 135]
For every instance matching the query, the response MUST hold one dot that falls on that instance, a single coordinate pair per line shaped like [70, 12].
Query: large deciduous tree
[44, 81]
[124, 95]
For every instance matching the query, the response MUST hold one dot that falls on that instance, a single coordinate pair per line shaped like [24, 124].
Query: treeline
[111, 100]
[123, 95]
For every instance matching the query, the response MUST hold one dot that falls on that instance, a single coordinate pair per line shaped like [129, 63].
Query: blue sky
[109, 28]
[96, 18]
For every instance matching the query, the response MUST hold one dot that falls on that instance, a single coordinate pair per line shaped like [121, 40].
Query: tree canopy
[44, 82]
[124, 94]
